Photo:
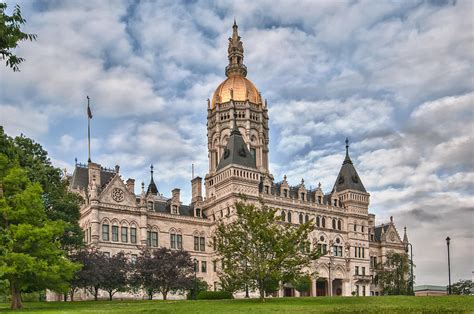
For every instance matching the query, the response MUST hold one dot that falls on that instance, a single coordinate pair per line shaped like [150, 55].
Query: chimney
[196, 187]
[131, 185]
[94, 174]
[175, 195]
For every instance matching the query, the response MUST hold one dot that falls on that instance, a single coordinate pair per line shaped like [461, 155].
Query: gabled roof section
[378, 231]
[348, 178]
[80, 177]
[236, 152]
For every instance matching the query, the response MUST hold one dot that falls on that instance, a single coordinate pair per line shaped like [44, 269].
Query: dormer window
[174, 209]
[266, 189]
[198, 212]
[285, 192]
[150, 205]
[320, 200]
[335, 203]
[302, 196]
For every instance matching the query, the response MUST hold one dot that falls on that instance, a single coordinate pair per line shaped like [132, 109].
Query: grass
[396, 304]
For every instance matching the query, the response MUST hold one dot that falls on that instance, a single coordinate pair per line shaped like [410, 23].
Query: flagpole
[88, 130]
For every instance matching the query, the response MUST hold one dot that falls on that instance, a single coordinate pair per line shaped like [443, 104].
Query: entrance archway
[321, 287]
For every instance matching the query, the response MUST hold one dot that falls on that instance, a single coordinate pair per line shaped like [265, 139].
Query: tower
[237, 96]
[348, 188]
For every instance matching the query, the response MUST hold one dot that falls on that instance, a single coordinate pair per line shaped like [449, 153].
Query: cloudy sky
[396, 77]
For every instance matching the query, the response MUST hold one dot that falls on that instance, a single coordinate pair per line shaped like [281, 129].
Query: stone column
[313, 287]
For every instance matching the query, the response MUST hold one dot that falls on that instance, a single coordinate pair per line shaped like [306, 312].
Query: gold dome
[237, 88]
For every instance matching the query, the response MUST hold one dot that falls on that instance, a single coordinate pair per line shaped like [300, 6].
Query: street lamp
[195, 279]
[448, 239]
[411, 266]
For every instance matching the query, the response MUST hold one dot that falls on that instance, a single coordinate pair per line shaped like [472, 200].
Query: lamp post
[448, 239]
[195, 279]
[411, 265]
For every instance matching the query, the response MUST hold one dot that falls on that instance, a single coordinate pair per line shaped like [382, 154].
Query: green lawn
[453, 304]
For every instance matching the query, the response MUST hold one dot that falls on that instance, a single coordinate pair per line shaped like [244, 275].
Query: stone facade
[115, 219]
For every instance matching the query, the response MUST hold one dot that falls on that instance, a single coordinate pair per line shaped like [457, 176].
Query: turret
[350, 190]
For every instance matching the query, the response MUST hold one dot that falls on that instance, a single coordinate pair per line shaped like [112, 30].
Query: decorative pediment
[116, 192]
[391, 235]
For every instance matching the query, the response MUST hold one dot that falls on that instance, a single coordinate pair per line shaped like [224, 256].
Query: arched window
[318, 221]
[152, 238]
[339, 225]
[337, 248]
[323, 222]
[105, 231]
[283, 215]
[289, 217]
[334, 223]
[306, 218]
[301, 218]
[176, 240]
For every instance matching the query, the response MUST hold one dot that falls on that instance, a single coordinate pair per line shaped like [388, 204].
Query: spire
[347, 160]
[405, 237]
[152, 189]
[235, 54]
[235, 129]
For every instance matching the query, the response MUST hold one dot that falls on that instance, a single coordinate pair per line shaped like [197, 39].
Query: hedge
[214, 295]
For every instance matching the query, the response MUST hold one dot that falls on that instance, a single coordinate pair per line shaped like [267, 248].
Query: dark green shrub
[214, 295]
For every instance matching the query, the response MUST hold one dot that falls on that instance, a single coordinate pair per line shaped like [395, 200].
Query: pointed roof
[405, 237]
[236, 152]
[152, 189]
[235, 52]
[348, 178]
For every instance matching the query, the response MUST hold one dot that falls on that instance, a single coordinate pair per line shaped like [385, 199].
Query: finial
[302, 181]
[151, 172]
[319, 184]
[235, 23]
[208, 104]
[405, 229]
[284, 177]
[347, 160]
[75, 159]
[143, 187]
[117, 168]
[391, 219]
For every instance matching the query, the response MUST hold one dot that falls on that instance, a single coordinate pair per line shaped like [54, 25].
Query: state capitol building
[116, 219]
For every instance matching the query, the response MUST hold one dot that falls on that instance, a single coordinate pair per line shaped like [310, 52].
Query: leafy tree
[302, 283]
[31, 258]
[114, 274]
[200, 285]
[462, 287]
[257, 248]
[11, 35]
[59, 203]
[392, 275]
[91, 275]
[163, 270]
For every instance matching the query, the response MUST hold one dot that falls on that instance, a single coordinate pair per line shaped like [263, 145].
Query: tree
[257, 248]
[302, 283]
[60, 204]
[462, 287]
[114, 274]
[163, 270]
[91, 275]
[392, 275]
[11, 35]
[31, 258]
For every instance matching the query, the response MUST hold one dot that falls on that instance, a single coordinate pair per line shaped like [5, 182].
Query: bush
[214, 295]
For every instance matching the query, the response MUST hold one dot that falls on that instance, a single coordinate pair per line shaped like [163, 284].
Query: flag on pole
[89, 112]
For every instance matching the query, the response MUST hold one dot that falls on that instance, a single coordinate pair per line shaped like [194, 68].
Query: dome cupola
[236, 87]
